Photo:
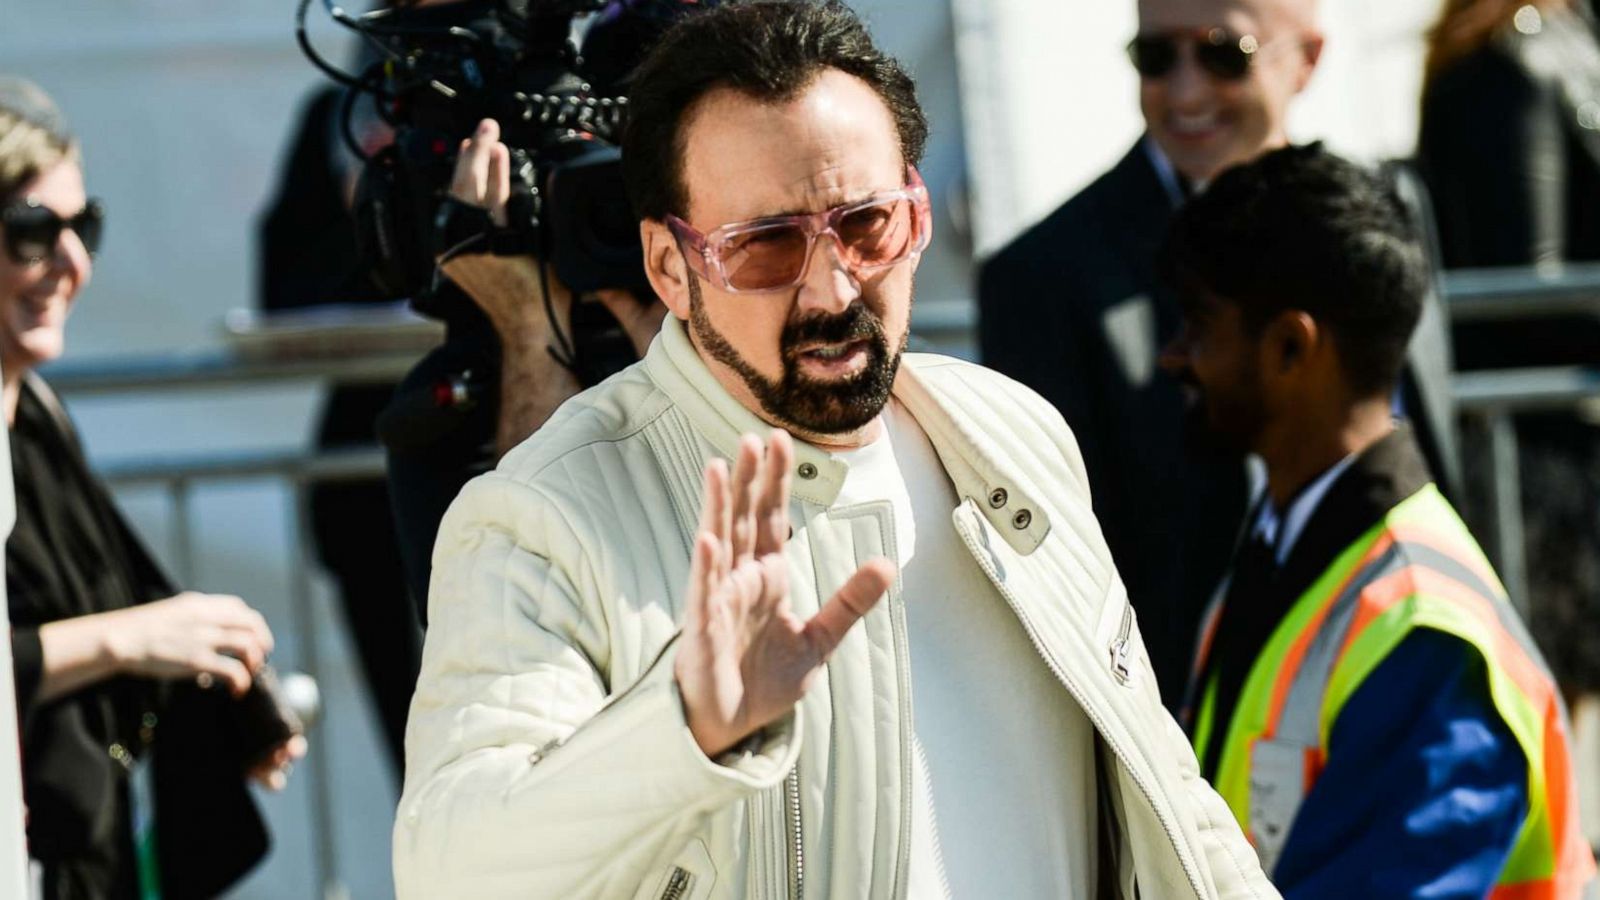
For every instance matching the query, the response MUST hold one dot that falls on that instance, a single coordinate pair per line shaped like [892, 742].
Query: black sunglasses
[1218, 51]
[32, 229]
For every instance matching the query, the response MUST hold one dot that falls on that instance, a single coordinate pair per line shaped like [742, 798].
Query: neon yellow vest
[1417, 568]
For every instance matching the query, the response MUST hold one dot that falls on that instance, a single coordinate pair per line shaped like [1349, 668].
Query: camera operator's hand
[640, 321]
[508, 288]
[511, 292]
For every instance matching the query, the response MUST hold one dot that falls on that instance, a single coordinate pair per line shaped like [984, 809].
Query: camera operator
[502, 371]
[511, 292]
[512, 219]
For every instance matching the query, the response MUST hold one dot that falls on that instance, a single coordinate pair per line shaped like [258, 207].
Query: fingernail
[483, 127]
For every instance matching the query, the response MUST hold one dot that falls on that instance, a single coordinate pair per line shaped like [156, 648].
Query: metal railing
[363, 347]
[1496, 397]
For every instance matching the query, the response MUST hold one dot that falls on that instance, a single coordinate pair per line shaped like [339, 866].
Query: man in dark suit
[1073, 307]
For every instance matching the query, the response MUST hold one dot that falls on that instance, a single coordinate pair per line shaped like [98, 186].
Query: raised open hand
[745, 659]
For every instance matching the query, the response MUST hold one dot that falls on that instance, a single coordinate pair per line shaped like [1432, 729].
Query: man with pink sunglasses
[783, 611]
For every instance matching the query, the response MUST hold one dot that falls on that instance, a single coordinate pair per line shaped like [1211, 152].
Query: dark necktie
[1252, 573]
[1248, 619]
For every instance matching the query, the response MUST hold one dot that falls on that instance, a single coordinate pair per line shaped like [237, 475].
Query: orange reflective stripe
[1412, 580]
[1575, 865]
[1297, 649]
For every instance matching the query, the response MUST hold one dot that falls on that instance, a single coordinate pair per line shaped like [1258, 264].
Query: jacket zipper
[1094, 716]
[902, 660]
[678, 884]
[797, 857]
[1120, 651]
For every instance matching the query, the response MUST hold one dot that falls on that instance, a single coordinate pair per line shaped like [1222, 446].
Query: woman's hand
[272, 773]
[204, 636]
[209, 636]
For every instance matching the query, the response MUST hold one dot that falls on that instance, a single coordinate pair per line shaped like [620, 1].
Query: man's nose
[829, 285]
[1188, 85]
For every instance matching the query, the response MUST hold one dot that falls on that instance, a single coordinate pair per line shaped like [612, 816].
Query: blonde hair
[28, 149]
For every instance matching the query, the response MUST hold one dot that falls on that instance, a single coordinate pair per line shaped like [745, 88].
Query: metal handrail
[299, 466]
[1474, 295]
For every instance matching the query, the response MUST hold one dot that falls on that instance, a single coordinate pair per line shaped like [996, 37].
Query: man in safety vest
[1365, 698]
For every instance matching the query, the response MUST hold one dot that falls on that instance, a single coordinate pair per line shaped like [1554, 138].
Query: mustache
[854, 324]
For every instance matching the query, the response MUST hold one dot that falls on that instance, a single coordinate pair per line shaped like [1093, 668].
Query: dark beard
[809, 405]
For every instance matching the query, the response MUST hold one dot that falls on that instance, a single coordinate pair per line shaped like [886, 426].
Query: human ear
[1311, 49]
[665, 267]
[1292, 339]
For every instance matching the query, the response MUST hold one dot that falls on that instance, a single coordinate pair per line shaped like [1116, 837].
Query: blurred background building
[185, 110]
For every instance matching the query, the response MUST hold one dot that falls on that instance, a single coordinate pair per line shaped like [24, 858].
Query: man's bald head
[1205, 121]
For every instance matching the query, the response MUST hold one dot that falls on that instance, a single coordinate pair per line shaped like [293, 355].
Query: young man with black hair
[1369, 704]
[884, 652]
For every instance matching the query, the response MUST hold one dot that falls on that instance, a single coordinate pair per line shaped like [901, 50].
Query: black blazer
[1074, 310]
[70, 554]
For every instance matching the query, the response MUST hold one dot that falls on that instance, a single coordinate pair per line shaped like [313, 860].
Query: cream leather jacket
[547, 753]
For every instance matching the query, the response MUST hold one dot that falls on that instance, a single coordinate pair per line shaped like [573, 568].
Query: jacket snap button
[1589, 116]
[998, 498]
[807, 471]
[1021, 519]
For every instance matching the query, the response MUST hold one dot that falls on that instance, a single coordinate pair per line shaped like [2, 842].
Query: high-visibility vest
[1417, 568]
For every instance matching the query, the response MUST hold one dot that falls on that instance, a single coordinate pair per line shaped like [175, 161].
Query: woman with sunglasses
[125, 687]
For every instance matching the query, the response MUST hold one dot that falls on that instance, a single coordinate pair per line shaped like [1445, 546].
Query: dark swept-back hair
[1303, 229]
[771, 51]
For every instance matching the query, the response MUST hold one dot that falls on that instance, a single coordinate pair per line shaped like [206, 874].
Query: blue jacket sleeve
[1425, 786]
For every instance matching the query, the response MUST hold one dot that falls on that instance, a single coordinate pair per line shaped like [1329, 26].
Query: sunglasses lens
[89, 225]
[878, 234]
[1153, 55]
[770, 256]
[31, 232]
[1224, 60]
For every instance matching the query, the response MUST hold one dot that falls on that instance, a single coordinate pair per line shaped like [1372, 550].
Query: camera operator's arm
[511, 292]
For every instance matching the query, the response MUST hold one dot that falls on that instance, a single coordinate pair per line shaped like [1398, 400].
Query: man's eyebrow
[801, 211]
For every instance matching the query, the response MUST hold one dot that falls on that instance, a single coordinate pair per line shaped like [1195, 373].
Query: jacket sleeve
[1232, 863]
[528, 775]
[27, 668]
[1235, 869]
[1425, 788]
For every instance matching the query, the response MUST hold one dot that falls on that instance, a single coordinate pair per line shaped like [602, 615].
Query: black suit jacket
[1073, 309]
[73, 554]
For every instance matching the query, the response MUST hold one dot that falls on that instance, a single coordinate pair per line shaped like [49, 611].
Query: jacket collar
[677, 368]
[1382, 476]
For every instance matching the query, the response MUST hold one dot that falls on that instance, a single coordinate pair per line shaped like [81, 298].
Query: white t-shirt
[1004, 802]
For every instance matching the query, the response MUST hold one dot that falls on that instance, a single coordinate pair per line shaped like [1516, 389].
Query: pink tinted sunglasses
[772, 254]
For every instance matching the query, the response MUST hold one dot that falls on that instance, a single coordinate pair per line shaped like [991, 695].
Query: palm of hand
[745, 658]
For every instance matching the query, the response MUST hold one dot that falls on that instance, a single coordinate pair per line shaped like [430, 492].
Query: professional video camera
[438, 71]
